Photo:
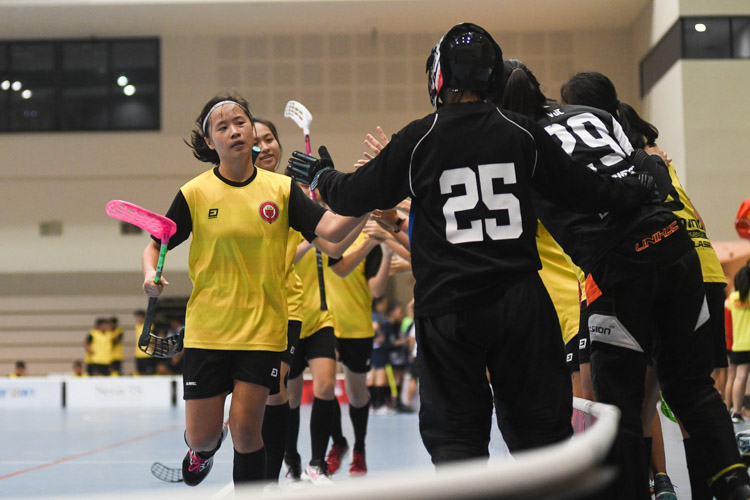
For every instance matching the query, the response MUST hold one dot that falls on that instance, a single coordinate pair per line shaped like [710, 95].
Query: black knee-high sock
[359, 418]
[249, 467]
[292, 433]
[385, 394]
[320, 427]
[275, 423]
[337, 434]
[696, 471]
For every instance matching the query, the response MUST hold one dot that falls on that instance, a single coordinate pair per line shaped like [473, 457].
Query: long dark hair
[596, 90]
[198, 136]
[742, 283]
[272, 127]
[522, 93]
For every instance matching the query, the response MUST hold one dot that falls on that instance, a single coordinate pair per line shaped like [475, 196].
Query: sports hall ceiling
[105, 18]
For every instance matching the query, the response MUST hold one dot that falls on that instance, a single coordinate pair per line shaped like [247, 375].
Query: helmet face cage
[743, 441]
[439, 74]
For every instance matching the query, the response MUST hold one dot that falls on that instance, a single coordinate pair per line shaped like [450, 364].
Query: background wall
[355, 65]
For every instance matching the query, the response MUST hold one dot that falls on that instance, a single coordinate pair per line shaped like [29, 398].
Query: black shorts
[715, 299]
[584, 341]
[571, 354]
[94, 369]
[355, 354]
[210, 372]
[739, 357]
[379, 357]
[321, 344]
[145, 366]
[292, 341]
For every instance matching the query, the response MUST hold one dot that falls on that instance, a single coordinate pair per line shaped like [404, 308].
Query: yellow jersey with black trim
[293, 281]
[237, 262]
[680, 204]
[740, 322]
[561, 280]
[138, 330]
[350, 299]
[101, 345]
[315, 313]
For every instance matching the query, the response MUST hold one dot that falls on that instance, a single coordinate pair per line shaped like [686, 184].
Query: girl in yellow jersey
[237, 315]
[98, 347]
[738, 305]
[276, 418]
[353, 281]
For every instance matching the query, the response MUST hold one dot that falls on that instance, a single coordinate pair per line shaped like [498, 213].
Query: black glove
[655, 167]
[307, 169]
[647, 181]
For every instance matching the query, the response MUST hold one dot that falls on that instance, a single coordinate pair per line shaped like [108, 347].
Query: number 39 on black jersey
[472, 171]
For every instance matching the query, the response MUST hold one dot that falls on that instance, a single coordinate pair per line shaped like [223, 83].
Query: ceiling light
[26, 94]
[16, 86]
[128, 90]
[122, 80]
[700, 27]
[5, 85]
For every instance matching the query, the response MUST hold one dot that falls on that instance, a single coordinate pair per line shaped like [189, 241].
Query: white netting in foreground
[565, 470]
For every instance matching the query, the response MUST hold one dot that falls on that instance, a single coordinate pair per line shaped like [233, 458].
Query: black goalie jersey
[470, 169]
[608, 246]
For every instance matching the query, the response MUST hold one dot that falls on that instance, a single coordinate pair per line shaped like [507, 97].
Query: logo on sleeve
[269, 211]
[213, 213]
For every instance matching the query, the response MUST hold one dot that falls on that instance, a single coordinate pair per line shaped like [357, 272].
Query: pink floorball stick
[163, 228]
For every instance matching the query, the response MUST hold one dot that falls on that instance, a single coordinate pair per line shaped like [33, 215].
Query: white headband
[220, 103]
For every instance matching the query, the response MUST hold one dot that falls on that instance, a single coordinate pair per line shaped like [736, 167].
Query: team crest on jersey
[269, 211]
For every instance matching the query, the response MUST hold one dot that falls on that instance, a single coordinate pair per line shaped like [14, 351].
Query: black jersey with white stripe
[610, 246]
[470, 169]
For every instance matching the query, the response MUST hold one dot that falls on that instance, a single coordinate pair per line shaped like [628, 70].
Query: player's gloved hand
[647, 181]
[653, 165]
[307, 169]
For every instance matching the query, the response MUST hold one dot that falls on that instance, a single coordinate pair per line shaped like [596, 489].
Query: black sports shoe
[663, 488]
[293, 468]
[195, 468]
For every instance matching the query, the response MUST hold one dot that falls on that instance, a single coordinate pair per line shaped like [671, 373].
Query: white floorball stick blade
[301, 116]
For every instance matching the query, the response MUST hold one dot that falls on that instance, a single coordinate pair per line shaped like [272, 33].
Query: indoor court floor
[107, 453]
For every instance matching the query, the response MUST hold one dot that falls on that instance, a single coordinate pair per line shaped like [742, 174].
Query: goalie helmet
[465, 58]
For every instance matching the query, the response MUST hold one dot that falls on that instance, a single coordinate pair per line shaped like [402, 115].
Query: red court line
[91, 452]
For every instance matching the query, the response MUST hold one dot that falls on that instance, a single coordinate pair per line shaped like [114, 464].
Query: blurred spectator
[175, 363]
[399, 353]
[98, 347]
[78, 369]
[378, 379]
[116, 334]
[19, 370]
[144, 364]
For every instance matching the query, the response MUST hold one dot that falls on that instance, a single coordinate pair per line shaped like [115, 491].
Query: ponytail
[742, 283]
[522, 93]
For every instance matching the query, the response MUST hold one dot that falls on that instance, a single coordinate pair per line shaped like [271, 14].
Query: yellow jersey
[237, 262]
[561, 278]
[680, 204]
[315, 313]
[350, 299]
